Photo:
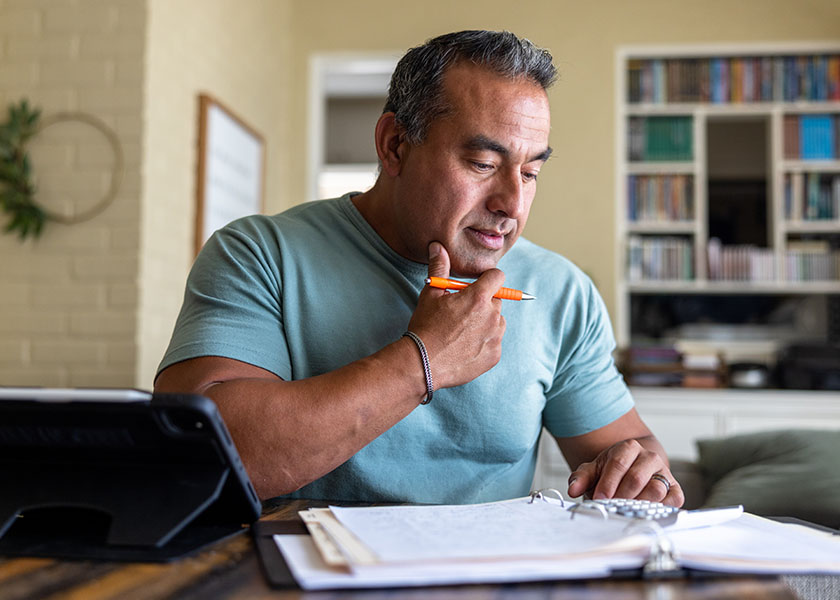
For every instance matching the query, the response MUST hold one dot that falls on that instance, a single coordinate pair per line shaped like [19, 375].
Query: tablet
[117, 474]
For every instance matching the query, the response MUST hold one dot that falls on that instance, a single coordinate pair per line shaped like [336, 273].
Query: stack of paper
[520, 540]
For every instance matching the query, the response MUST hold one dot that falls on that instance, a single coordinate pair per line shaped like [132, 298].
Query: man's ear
[388, 138]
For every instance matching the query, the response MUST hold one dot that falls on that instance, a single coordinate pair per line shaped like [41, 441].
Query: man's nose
[508, 196]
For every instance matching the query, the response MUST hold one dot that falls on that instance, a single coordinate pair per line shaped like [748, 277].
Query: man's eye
[482, 166]
[529, 176]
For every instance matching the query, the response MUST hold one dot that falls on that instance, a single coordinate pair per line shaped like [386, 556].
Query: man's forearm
[290, 433]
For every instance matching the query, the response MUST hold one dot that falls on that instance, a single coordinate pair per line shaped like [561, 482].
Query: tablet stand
[117, 475]
[132, 512]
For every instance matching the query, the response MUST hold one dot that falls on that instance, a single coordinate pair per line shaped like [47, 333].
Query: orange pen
[453, 284]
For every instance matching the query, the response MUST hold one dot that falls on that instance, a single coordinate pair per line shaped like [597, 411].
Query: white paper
[750, 542]
[513, 528]
[312, 573]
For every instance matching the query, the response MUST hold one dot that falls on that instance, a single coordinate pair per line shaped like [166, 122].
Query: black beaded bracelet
[427, 369]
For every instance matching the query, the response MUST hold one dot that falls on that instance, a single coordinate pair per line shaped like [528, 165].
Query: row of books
[811, 137]
[740, 262]
[660, 258]
[660, 198]
[811, 261]
[670, 258]
[665, 365]
[812, 196]
[808, 260]
[668, 138]
[790, 78]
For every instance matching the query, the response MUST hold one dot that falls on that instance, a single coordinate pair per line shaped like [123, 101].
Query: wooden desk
[231, 569]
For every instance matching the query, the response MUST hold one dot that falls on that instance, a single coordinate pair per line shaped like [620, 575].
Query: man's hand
[627, 470]
[462, 331]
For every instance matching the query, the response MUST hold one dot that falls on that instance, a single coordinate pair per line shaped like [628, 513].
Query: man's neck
[376, 206]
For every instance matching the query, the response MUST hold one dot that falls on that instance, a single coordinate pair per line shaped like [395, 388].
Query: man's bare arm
[289, 433]
[618, 461]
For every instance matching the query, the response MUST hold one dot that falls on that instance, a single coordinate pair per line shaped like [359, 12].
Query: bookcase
[728, 180]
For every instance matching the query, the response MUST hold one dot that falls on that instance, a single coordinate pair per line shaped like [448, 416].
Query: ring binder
[523, 540]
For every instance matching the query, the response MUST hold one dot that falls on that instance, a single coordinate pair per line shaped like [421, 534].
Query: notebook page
[751, 543]
[509, 529]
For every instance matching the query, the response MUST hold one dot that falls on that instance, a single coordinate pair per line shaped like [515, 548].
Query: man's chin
[471, 269]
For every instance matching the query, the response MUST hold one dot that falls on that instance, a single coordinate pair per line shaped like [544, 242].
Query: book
[790, 134]
[528, 539]
[816, 137]
[668, 138]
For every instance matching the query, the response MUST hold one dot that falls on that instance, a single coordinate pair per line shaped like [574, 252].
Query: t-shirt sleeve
[588, 392]
[233, 303]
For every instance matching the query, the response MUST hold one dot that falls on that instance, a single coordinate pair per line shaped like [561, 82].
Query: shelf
[826, 226]
[809, 166]
[734, 287]
[661, 227]
[682, 167]
[741, 141]
[736, 109]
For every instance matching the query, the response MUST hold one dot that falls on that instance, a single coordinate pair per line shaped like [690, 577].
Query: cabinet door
[677, 432]
[747, 423]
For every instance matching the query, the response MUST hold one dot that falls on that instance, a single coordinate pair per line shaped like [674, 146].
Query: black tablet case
[150, 479]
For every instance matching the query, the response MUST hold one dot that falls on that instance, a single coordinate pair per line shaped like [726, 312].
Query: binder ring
[542, 495]
[590, 506]
[662, 560]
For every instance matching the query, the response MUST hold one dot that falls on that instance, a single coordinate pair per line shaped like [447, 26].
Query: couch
[790, 473]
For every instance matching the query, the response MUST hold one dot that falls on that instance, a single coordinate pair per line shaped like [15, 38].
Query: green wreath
[17, 189]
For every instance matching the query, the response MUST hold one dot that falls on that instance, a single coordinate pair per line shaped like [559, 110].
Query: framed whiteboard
[231, 169]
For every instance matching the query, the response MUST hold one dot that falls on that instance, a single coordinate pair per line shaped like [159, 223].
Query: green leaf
[17, 194]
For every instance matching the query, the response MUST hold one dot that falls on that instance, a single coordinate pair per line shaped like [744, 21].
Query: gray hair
[415, 94]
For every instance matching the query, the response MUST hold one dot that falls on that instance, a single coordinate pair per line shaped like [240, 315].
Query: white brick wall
[68, 301]
[93, 304]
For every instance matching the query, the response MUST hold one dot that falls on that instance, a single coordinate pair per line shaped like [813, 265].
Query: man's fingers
[438, 260]
[637, 477]
[489, 282]
[619, 461]
[582, 479]
[667, 491]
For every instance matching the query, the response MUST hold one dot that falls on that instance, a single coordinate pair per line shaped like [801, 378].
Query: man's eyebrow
[543, 156]
[482, 142]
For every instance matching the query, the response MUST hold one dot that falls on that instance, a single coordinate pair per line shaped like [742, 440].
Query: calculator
[662, 514]
[631, 509]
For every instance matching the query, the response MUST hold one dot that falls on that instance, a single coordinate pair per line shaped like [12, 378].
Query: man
[294, 324]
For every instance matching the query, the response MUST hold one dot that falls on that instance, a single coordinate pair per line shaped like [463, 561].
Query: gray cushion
[792, 473]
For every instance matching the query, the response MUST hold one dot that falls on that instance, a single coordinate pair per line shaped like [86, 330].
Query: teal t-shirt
[314, 288]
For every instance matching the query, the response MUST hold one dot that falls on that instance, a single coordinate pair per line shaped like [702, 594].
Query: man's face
[471, 183]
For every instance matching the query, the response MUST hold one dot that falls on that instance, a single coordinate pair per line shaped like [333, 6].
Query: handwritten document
[512, 528]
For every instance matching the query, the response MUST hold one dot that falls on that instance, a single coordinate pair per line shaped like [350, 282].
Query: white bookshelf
[781, 230]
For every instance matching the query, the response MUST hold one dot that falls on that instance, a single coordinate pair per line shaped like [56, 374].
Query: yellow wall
[575, 208]
[236, 52]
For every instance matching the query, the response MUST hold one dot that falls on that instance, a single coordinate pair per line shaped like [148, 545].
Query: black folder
[117, 475]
